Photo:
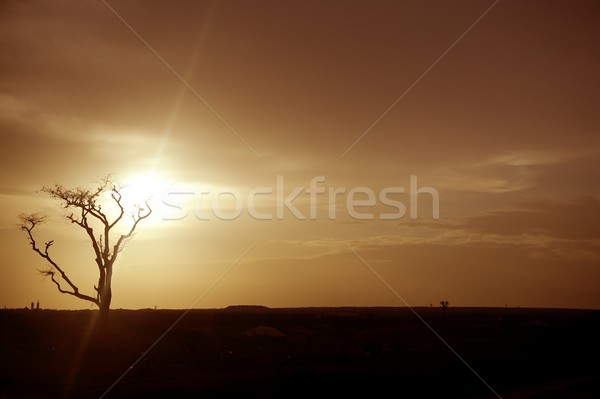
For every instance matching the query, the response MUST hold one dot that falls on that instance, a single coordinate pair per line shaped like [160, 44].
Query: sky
[491, 108]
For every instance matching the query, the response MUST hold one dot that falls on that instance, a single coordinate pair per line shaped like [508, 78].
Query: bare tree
[87, 213]
[444, 305]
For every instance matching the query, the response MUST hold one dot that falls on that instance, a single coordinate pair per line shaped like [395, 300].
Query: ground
[305, 352]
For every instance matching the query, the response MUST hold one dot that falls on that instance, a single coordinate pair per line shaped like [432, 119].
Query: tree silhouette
[444, 305]
[87, 213]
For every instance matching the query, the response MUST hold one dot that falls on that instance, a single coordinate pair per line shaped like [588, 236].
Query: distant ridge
[246, 307]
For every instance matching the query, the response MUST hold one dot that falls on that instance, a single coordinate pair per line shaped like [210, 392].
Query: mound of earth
[263, 331]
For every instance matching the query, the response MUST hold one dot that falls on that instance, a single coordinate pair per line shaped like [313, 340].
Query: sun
[140, 189]
[144, 187]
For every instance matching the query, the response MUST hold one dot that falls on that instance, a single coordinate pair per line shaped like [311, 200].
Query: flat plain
[254, 351]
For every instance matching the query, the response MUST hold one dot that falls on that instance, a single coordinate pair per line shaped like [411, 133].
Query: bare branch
[117, 196]
[48, 245]
[83, 223]
[28, 223]
[86, 200]
[50, 273]
[142, 214]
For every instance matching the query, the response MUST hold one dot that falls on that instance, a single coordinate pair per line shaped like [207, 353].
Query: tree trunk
[103, 316]
[105, 300]
[102, 324]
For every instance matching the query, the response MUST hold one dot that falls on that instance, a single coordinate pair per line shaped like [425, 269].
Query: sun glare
[141, 189]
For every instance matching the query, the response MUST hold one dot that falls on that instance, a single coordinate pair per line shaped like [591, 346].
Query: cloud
[502, 173]
[539, 228]
[579, 219]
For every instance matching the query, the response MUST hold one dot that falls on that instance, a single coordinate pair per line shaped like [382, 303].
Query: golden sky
[496, 108]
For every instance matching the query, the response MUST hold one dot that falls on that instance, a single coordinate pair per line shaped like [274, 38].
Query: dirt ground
[306, 352]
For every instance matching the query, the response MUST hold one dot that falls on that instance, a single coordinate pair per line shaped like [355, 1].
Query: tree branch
[28, 223]
[116, 196]
[83, 223]
[142, 214]
[51, 274]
